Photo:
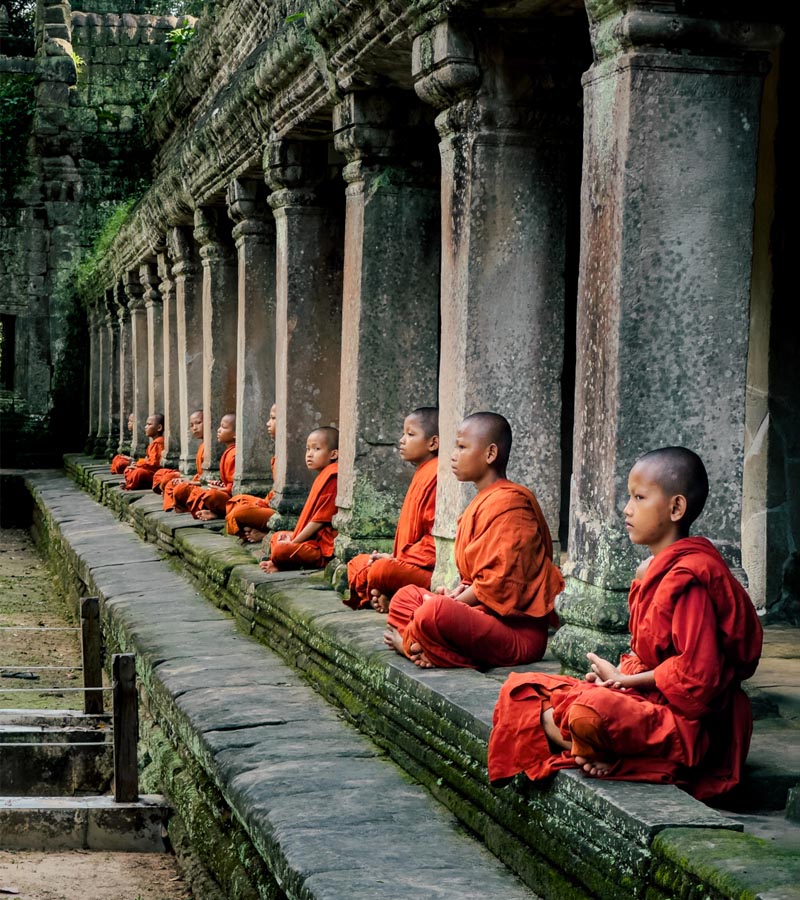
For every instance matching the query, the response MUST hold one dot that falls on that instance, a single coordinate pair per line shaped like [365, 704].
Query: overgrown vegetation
[86, 272]
[20, 26]
[16, 117]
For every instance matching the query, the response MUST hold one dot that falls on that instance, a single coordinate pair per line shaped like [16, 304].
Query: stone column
[308, 309]
[508, 130]
[671, 127]
[148, 276]
[189, 334]
[108, 437]
[212, 233]
[138, 331]
[169, 351]
[93, 410]
[390, 313]
[124, 396]
[255, 350]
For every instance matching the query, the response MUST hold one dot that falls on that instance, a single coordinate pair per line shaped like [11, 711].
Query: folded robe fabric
[319, 507]
[214, 499]
[695, 627]
[141, 476]
[414, 549]
[166, 480]
[248, 510]
[119, 463]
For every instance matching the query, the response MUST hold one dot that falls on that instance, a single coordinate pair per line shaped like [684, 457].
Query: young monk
[310, 545]
[499, 613]
[374, 577]
[139, 475]
[166, 480]
[121, 462]
[209, 501]
[673, 710]
[247, 516]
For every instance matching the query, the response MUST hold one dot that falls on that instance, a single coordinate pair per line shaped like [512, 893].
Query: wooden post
[92, 655]
[126, 728]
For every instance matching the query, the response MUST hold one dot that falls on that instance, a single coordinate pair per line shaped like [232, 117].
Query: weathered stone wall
[94, 73]
[301, 240]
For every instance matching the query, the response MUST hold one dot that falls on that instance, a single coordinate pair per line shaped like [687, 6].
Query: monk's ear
[677, 508]
[433, 444]
[334, 455]
[491, 454]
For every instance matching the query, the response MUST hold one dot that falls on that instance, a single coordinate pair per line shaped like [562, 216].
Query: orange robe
[414, 553]
[504, 552]
[119, 463]
[141, 476]
[246, 510]
[166, 480]
[213, 499]
[695, 627]
[320, 507]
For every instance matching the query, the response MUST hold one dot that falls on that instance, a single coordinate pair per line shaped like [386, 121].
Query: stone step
[83, 823]
[64, 769]
[434, 723]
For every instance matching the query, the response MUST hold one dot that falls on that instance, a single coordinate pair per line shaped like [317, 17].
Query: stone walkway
[259, 740]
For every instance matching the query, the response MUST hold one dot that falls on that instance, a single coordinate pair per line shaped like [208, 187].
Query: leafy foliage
[17, 104]
[178, 39]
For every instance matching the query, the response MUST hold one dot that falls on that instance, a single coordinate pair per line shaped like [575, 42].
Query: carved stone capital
[298, 167]
[148, 278]
[134, 291]
[211, 230]
[179, 248]
[363, 127]
[620, 27]
[444, 65]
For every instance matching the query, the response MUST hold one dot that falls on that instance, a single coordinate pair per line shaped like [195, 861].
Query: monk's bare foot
[597, 768]
[252, 535]
[419, 659]
[392, 638]
[379, 602]
[206, 515]
[266, 566]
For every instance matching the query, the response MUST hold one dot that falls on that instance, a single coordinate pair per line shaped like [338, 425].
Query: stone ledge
[436, 723]
[289, 794]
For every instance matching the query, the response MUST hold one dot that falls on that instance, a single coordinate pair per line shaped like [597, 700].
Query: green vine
[87, 271]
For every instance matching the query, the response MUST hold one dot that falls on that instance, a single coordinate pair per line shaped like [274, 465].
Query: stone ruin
[569, 212]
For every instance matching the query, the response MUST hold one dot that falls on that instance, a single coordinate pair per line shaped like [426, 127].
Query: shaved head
[679, 471]
[159, 418]
[493, 429]
[330, 435]
[428, 418]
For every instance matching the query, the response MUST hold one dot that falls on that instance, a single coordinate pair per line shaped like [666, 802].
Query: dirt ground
[84, 875]
[29, 596]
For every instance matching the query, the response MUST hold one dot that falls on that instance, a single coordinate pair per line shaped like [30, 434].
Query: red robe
[319, 507]
[414, 553]
[119, 463]
[140, 476]
[504, 552]
[695, 627]
[246, 510]
[166, 480]
[215, 499]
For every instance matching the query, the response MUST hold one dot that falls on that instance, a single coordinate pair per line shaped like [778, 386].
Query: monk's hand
[376, 555]
[284, 536]
[603, 673]
[457, 591]
[215, 483]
